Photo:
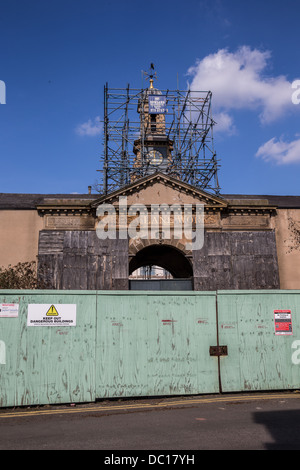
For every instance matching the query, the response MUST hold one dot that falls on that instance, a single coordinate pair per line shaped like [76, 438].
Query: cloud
[90, 128]
[224, 123]
[280, 152]
[238, 81]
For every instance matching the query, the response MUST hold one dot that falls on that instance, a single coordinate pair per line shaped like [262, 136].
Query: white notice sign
[9, 310]
[51, 315]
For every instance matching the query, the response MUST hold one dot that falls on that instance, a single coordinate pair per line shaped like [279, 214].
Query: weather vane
[151, 75]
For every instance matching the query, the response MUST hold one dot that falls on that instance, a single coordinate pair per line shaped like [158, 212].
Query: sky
[56, 57]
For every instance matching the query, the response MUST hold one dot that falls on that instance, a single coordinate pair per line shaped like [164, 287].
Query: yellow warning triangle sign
[52, 311]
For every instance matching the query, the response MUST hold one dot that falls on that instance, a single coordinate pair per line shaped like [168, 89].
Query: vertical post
[124, 179]
[144, 96]
[218, 344]
[105, 164]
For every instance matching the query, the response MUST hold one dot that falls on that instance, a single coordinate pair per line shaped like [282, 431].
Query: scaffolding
[188, 124]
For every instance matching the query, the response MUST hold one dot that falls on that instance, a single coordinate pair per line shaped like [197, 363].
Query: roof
[274, 200]
[11, 201]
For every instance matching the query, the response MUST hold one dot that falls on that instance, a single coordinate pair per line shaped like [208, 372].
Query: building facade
[250, 242]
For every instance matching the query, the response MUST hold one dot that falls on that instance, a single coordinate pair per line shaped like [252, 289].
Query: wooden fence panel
[155, 344]
[258, 358]
[48, 364]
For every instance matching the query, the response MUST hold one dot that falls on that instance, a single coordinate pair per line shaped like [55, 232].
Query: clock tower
[148, 131]
[153, 148]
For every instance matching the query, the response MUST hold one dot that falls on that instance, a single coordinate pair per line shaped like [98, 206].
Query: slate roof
[10, 201]
[278, 201]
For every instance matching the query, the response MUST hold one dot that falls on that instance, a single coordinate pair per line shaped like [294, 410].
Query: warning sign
[51, 315]
[283, 322]
[9, 310]
[52, 311]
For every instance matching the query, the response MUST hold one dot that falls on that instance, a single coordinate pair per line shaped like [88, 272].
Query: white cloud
[279, 151]
[224, 123]
[90, 128]
[238, 81]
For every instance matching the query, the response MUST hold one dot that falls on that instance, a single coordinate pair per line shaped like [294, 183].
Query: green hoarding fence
[260, 356]
[80, 346]
[48, 364]
[156, 344]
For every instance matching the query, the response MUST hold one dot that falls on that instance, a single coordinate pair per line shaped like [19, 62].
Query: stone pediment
[162, 189]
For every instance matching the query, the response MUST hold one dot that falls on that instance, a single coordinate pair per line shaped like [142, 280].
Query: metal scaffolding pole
[188, 125]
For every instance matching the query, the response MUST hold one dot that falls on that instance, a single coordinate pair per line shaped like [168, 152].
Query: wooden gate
[156, 344]
[262, 332]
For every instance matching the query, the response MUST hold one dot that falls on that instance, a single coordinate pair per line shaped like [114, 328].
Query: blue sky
[56, 57]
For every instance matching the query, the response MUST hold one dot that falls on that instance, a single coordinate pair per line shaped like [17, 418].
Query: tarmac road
[253, 421]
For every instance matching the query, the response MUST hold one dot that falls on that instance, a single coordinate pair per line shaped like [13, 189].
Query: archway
[170, 259]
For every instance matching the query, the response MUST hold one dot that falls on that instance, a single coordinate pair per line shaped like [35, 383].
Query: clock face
[154, 157]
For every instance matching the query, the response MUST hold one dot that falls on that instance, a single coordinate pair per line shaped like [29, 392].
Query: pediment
[162, 189]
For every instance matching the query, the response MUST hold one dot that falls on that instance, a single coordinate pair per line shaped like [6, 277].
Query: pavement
[163, 427]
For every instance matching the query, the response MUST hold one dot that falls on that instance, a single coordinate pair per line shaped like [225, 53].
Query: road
[254, 421]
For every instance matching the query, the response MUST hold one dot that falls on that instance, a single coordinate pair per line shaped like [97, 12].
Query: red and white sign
[283, 322]
[9, 310]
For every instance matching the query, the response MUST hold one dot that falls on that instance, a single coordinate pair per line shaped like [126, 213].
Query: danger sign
[52, 311]
[283, 322]
[51, 315]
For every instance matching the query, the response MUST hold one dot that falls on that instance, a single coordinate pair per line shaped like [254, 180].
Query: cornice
[212, 203]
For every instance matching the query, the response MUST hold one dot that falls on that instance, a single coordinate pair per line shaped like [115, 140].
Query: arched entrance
[176, 269]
